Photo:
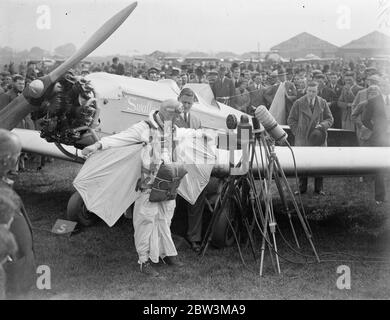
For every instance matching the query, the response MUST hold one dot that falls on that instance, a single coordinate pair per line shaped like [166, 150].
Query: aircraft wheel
[223, 235]
[78, 212]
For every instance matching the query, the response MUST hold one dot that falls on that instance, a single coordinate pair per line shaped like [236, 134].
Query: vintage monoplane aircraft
[77, 111]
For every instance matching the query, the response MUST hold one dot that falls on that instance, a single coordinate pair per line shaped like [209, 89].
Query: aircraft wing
[312, 161]
[33, 143]
[309, 160]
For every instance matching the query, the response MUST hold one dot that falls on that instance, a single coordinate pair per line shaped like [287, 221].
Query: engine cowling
[70, 113]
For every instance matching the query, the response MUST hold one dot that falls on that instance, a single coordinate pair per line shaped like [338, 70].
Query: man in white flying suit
[151, 220]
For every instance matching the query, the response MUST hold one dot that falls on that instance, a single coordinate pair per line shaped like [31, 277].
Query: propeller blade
[14, 112]
[96, 40]
[19, 108]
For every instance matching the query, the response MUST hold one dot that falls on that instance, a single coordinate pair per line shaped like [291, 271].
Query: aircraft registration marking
[140, 105]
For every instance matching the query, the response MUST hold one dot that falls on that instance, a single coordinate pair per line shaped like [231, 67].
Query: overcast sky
[193, 25]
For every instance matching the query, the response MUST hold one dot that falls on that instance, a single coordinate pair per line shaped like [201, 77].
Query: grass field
[101, 262]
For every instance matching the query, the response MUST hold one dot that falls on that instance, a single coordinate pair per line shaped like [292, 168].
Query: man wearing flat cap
[212, 75]
[152, 74]
[154, 208]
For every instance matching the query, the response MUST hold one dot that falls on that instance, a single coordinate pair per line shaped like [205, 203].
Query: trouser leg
[380, 189]
[318, 184]
[144, 216]
[166, 246]
[195, 215]
[303, 184]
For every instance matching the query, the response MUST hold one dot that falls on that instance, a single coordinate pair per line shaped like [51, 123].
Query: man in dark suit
[194, 212]
[331, 93]
[223, 88]
[256, 91]
[236, 73]
[374, 118]
[308, 113]
[17, 86]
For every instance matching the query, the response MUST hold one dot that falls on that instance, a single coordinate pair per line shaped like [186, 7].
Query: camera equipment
[257, 141]
[270, 124]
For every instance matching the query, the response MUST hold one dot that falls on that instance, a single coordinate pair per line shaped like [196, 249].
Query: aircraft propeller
[21, 106]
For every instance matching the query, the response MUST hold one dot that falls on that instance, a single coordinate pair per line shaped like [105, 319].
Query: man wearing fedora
[346, 99]
[358, 105]
[309, 120]
[270, 91]
[278, 77]
[291, 91]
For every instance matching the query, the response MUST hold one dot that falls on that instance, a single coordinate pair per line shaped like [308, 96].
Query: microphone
[270, 125]
[257, 126]
[244, 131]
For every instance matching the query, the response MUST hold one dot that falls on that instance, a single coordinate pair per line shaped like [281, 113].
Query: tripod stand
[273, 171]
[229, 197]
[260, 200]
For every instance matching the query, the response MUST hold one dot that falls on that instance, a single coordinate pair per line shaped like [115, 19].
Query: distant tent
[309, 57]
[275, 57]
[312, 57]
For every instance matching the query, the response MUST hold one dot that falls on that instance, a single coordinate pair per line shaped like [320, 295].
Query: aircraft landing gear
[223, 235]
[76, 211]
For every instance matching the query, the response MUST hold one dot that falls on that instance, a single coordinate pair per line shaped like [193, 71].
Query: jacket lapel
[316, 115]
[306, 108]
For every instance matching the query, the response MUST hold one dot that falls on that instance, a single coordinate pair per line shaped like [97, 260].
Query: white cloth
[278, 105]
[107, 181]
[196, 153]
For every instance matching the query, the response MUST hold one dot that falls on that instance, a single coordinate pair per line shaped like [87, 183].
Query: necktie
[312, 106]
[186, 117]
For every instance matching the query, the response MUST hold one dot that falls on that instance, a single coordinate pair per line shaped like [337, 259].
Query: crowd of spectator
[243, 86]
